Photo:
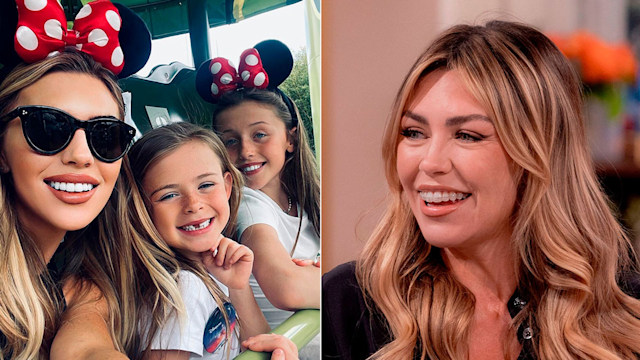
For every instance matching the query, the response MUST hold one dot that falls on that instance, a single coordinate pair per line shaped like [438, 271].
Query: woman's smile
[457, 177]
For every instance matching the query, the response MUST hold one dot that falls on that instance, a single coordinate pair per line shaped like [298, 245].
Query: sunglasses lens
[48, 131]
[110, 139]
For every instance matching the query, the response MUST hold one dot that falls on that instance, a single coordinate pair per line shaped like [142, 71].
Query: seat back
[167, 95]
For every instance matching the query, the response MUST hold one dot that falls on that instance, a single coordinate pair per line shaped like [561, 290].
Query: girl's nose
[192, 204]
[77, 153]
[436, 158]
[247, 150]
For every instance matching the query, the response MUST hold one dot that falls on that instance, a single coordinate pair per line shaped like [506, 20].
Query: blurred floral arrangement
[606, 69]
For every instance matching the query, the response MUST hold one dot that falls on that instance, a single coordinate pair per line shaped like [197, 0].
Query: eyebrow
[173, 186]
[452, 121]
[252, 124]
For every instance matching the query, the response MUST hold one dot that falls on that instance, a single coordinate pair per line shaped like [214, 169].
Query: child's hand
[229, 262]
[281, 347]
[306, 262]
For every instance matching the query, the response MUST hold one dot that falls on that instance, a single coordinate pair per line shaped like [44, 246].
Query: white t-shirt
[257, 207]
[200, 306]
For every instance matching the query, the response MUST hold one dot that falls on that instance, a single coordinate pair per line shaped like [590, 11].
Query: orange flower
[598, 61]
[628, 66]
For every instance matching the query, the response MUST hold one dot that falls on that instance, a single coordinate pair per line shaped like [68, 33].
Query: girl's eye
[470, 137]
[412, 133]
[260, 135]
[206, 185]
[167, 196]
[230, 142]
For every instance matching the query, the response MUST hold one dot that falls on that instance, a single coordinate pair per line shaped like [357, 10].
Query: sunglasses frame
[22, 112]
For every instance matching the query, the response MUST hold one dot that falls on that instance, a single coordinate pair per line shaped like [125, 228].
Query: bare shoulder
[84, 332]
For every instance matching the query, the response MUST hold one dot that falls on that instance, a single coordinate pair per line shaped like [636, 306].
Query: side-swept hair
[571, 249]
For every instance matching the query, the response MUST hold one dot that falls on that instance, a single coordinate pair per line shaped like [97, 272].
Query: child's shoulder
[189, 280]
[251, 194]
[255, 202]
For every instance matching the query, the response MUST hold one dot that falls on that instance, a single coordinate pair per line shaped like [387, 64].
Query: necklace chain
[289, 204]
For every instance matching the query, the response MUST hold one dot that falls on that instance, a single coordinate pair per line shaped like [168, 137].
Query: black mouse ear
[204, 79]
[135, 41]
[8, 23]
[277, 61]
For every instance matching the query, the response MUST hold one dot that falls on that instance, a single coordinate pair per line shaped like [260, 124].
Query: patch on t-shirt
[215, 332]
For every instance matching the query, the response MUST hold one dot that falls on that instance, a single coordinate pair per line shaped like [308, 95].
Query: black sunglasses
[49, 130]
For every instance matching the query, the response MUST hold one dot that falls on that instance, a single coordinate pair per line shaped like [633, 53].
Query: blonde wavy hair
[571, 251]
[110, 253]
[146, 153]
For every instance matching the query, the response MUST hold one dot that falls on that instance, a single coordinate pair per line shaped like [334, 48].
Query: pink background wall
[366, 51]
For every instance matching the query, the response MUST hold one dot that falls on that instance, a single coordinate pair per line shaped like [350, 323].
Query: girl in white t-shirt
[279, 214]
[192, 192]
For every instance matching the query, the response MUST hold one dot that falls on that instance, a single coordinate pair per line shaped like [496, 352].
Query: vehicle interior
[168, 94]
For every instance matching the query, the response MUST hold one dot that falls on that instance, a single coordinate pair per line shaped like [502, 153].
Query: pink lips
[437, 209]
[73, 198]
[252, 172]
[440, 209]
[196, 223]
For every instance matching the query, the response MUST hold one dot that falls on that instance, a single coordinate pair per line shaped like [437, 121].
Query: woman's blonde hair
[155, 146]
[571, 250]
[299, 175]
[107, 253]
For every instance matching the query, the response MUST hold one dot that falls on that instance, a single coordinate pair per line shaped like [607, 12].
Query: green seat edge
[300, 328]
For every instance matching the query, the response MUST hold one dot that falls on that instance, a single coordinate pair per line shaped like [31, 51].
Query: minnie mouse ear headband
[265, 66]
[109, 32]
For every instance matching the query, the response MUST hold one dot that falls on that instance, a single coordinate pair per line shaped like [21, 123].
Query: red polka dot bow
[225, 78]
[42, 30]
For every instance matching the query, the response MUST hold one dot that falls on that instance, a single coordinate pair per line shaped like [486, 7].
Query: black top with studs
[351, 332]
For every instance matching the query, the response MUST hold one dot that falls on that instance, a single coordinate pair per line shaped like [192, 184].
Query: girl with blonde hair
[192, 192]
[499, 241]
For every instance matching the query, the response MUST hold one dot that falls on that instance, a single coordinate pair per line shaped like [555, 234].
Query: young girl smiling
[279, 214]
[192, 192]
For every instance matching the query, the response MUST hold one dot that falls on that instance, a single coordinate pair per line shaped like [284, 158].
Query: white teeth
[202, 225]
[442, 196]
[70, 187]
[251, 168]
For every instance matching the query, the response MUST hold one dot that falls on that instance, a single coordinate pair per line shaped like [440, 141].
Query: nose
[192, 203]
[247, 150]
[436, 157]
[77, 153]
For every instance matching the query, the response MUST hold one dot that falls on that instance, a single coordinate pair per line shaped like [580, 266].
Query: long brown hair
[299, 175]
[571, 249]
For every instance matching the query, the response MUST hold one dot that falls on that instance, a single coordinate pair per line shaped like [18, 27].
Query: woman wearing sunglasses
[81, 265]
[62, 147]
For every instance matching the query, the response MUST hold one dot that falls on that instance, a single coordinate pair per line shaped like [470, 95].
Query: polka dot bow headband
[225, 78]
[265, 66]
[108, 32]
[42, 29]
